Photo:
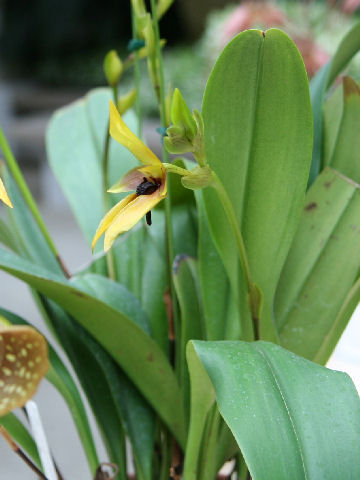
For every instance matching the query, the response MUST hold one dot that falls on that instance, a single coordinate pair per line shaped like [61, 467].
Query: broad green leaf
[139, 356]
[321, 82]
[346, 154]
[60, 377]
[75, 143]
[21, 436]
[258, 136]
[321, 267]
[291, 418]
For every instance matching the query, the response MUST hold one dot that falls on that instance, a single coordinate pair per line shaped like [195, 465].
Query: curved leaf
[139, 356]
[291, 418]
[258, 136]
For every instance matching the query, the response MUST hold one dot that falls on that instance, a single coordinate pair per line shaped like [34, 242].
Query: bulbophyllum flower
[3, 195]
[148, 181]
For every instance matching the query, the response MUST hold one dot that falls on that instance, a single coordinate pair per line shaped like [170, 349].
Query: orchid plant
[200, 331]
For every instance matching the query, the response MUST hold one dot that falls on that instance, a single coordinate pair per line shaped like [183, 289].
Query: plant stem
[29, 199]
[254, 294]
[160, 91]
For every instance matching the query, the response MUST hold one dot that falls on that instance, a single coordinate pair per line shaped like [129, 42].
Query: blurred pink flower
[249, 14]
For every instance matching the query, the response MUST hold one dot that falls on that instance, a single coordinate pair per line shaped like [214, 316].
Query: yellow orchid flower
[148, 182]
[4, 196]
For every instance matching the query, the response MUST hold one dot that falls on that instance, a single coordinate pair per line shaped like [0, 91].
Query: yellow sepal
[122, 134]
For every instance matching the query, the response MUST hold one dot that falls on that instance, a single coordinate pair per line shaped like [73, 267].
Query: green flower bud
[113, 67]
[181, 115]
[176, 141]
[126, 101]
[199, 177]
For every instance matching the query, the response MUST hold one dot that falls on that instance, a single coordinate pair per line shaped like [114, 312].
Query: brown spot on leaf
[327, 184]
[150, 357]
[311, 206]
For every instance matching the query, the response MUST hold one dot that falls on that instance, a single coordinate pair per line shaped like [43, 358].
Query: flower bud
[181, 115]
[113, 67]
[126, 101]
[199, 177]
[176, 142]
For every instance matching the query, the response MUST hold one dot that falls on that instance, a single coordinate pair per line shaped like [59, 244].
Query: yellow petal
[130, 215]
[3, 195]
[121, 133]
[23, 363]
[134, 177]
[109, 217]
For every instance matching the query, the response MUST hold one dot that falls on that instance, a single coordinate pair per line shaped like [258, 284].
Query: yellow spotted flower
[23, 363]
[3, 195]
[148, 182]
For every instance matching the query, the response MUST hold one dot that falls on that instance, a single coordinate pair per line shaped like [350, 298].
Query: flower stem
[160, 91]
[29, 199]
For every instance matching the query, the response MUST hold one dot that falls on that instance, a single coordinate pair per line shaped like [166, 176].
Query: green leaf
[60, 377]
[291, 418]
[321, 267]
[29, 239]
[6, 236]
[139, 356]
[75, 142]
[258, 136]
[346, 153]
[321, 82]
[21, 436]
